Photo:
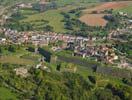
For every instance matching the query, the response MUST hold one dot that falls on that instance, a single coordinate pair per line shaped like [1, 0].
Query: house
[2, 40]
[42, 66]
[122, 13]
[124, 64]
[55, 49]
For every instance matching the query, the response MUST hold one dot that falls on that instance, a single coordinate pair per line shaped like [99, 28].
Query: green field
[39, 20]
[74, 2]
[16, 60]
[6, 94]
[21, 56]
[52, 16]
[126, 9]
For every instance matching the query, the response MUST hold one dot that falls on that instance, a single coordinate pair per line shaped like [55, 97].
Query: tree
[31, 49]
[48, 28]
[105, 94]
[1, 50]
[12, 48]
[92, 79]
[58, 67]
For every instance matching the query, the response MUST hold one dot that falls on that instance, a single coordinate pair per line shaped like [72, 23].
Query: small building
[130, 21]
[2, 40]
[56, 49]
[42, 66]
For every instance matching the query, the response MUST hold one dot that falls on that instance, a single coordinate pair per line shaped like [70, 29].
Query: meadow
[6, 94]
[20, 57]
[127, 9]
[63, 3]
[53, 18]
[39, 20]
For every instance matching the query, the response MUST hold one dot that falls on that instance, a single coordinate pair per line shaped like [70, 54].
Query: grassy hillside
[53, 16]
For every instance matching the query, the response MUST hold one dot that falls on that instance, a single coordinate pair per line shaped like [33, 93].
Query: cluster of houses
[82, 46]
[103, 53]
[40, 38]
[120, 34]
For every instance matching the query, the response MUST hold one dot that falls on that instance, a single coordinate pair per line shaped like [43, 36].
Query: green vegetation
[12, 2]
[125, 48]
[63, 85]
[67, 77]
[70, 77]
[53, 18]
[125, 10]
[74, 2]
[14, 54]
[6, 94]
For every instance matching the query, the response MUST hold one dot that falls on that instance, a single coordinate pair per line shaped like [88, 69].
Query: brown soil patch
[109, 5]
[94, 19]
[97, 19]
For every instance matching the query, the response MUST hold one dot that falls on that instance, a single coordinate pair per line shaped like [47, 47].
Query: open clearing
[109, 5]
[6, 94]
[127, 9]
[97, 19]
[94, 19]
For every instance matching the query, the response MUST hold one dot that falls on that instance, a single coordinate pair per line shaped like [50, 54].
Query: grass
[53, 16]
[21, 56]
[29, 56]
[125, 9]
[6, 94]
[75, 2]
[16, 60]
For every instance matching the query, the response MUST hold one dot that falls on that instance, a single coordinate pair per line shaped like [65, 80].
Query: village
[65, 50]
[85, 47]
[88, 47]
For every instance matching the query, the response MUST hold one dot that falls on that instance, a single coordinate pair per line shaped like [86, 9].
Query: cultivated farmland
[97, 19]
